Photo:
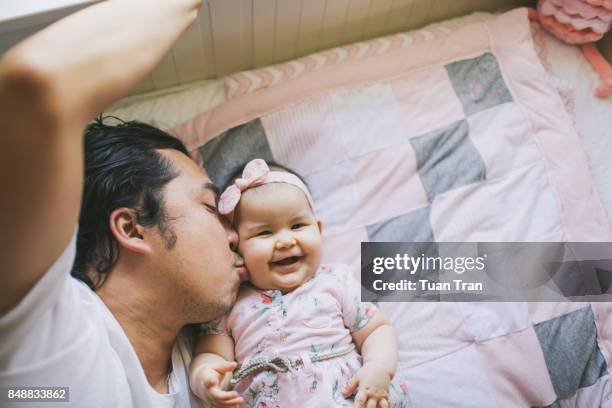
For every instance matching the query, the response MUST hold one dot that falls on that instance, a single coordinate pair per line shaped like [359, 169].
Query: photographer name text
[426, 285]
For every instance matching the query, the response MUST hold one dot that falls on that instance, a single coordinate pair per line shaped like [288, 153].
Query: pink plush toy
[580, 22]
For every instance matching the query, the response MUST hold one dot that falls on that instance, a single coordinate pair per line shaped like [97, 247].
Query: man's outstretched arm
[51, 85]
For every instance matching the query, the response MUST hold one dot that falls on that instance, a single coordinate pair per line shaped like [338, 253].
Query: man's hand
[373, 382]
[213, 379]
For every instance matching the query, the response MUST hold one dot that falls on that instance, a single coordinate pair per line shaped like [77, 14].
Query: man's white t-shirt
[62, 335]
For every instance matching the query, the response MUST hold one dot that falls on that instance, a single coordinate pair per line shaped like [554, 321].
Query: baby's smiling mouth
[287, 261]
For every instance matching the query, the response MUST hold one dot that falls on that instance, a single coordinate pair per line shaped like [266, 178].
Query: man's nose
[232, 235]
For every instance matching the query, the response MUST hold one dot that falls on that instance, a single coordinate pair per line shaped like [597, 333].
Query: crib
[235, 35]
[260, 72]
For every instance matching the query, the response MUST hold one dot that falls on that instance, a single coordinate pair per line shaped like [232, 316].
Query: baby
[293, 336]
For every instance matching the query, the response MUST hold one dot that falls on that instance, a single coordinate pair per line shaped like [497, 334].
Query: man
[150, 242]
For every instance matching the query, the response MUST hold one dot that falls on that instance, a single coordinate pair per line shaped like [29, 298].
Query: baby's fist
[373, 382]
[211, 385]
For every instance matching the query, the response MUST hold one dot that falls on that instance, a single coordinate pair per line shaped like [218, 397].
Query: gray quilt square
[447, 158]
[231, 150]
[573, 358]
[414, 226]
[478, 83]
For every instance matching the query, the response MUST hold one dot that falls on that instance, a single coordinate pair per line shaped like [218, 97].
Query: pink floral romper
[315, 318]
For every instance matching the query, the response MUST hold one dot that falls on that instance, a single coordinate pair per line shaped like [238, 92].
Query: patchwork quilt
[459, 137]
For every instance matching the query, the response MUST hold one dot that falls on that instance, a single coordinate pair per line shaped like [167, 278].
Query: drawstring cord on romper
[281, 364]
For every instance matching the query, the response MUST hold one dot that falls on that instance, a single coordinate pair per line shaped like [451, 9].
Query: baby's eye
[263, 233]
[297, 226]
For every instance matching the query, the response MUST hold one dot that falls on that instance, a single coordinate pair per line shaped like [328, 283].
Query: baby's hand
[212, 377]
[373, 381]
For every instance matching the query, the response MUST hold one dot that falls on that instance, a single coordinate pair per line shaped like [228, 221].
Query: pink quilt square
[304, 136]
[455, 380]
[368, 118]
[597, 395]
[427, 100]
[423, 335]
[498, 209]
[387, 184]
[486, 320]
[541, 311]
[504, 139]
[335, 197]
[517, 370]
[345, 248]
[602, 312]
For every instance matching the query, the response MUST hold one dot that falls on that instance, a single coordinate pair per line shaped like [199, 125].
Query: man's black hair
[122, 169]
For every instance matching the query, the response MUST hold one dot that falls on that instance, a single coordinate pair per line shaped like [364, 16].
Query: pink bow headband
[256, 173]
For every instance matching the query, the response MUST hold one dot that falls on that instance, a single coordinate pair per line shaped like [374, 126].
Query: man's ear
[126, 230]
[320, 225]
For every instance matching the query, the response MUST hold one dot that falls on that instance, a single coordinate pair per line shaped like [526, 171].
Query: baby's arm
[211, 371]
[378, 345]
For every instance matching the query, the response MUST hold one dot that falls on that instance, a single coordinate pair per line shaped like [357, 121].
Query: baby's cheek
[315, 244]
[253, 255]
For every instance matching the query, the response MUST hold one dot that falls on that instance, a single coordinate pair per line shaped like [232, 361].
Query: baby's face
[280, 239]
